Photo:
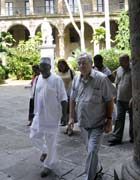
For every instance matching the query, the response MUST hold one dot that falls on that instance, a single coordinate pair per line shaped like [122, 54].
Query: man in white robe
[49, 107]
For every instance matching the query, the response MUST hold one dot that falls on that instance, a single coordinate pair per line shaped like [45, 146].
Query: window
[27, 8]
[49, 5]
[100, 5]
[73, 5]
[9, 8]
[121, 4]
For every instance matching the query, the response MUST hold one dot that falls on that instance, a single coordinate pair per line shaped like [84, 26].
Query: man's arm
[108, 124]
[64, 106]
[71, 113]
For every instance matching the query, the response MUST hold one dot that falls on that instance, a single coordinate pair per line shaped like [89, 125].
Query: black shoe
[30, 123]
[45, 172]
[114, 142]
[63, 124]
[69, 132]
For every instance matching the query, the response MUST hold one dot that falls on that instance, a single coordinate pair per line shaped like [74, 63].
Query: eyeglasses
[82, 63]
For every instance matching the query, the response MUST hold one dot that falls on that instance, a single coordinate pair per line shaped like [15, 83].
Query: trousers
[122, 108]
[46, 142]
[92, 139]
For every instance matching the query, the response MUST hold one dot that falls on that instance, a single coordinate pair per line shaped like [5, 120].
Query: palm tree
[131, 169]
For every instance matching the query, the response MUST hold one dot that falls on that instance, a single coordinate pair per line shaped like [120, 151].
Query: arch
[72, 39]
[113, 30]
[19, 32]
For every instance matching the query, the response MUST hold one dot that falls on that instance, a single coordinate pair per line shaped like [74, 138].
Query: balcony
[87, 8]
[43, 10]
[21, 11]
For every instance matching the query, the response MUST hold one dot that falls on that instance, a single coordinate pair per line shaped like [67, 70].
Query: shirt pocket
[96, 96]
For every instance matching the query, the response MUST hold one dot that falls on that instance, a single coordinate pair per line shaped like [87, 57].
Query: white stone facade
[23, 18]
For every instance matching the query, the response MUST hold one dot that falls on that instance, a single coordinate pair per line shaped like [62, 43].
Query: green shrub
[19, 68]
[21, 58]
[72, 60]
[122, 37]
[2, 75]
[111, 57]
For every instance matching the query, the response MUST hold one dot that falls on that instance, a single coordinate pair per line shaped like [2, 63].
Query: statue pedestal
[48, 51]
[130, 170]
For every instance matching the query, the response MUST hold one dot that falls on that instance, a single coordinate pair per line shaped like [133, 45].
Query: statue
[46, 31]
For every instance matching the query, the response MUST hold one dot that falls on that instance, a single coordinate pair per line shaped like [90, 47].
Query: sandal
[69, 131]
[43, 157]
[30, 123]
[46, 171]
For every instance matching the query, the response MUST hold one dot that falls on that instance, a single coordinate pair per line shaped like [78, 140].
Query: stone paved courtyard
[19, 160]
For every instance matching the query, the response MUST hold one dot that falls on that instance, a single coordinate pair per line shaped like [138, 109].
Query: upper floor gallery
[57, 7]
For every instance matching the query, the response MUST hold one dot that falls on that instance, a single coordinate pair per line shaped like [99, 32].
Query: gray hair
[85, 55]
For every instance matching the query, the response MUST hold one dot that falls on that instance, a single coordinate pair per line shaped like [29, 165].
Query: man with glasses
[92, 96]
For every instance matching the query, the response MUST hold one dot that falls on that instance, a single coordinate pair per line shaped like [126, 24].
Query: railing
[42, 10]
[87, 8]
[22, 11]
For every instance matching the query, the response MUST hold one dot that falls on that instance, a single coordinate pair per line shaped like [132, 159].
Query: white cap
[46, 60]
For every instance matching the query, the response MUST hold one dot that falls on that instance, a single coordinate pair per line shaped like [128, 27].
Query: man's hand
[108, 126]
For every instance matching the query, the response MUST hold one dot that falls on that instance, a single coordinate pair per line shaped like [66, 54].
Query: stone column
[95, 43]
[31, 3]
[126, 5]
[60, 25]
[3, 8]
[96, 48]
[61, 46]
[94, 5]
[131, 168]
[60, 6]
[107, 24]
[32, 25]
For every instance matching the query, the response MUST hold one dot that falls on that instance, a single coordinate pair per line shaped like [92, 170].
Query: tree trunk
[131, 169]
[81, 30]
[82, 38]
[107, 24]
